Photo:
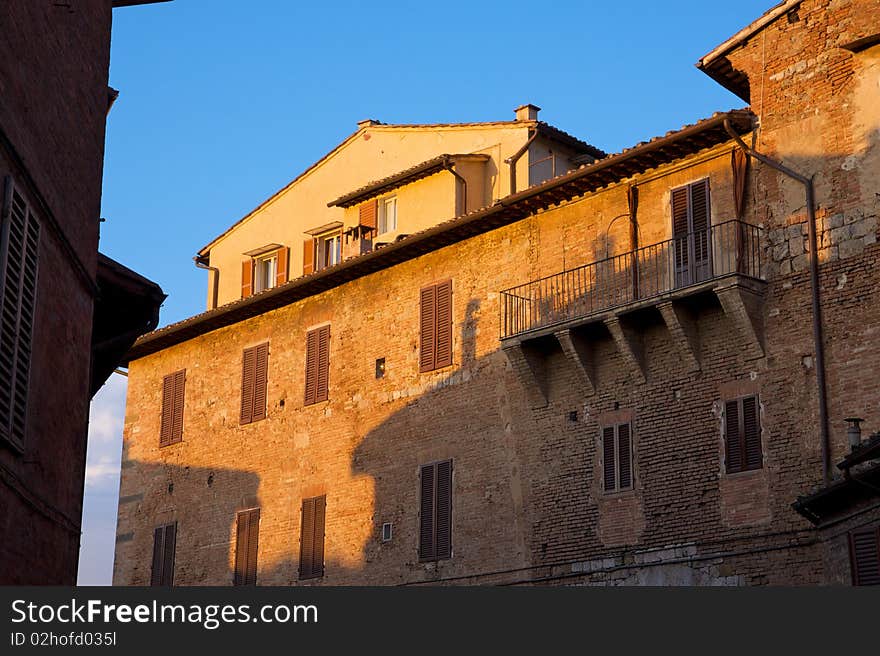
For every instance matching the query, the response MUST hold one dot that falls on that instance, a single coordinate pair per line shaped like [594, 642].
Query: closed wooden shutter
[732, 437]
[164, 545]
[742, 434]
[19, 258]
[751, 433]
[426, 514]
[443, 502]
[247, 278]
[700, 222]
[864, 551]
[428, 329]
[624, 456]
[247, 547]
[680, 225]
[282, 256]
[177, 414]
[173, 397]
[368, 213]
[311, 554]
[317, 365]
[308, 256]
[254, 382]
[444, 325]
[609, 464]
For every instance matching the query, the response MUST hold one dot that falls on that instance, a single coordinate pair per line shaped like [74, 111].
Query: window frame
[742, 436]
[320, 263]
[270, 262]
[382, 226]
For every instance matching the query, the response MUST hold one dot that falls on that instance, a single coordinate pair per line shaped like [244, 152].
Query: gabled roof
[588, 178]
[716, 65]
[543, 128]
[417, 172]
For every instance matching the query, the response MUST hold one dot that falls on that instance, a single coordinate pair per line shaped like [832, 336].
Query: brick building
[67, 313]
[610, 376]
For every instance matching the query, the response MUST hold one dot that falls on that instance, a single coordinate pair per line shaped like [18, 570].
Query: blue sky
[222, 102]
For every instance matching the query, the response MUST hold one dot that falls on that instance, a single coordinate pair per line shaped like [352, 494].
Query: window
[247, 537]
[264, 269]
[171, 430]
[311, 551]
[19, 254]
[387, 214]
[435, 519]
[742, 434]
[322, 252]
[164, 545]
[690, 233]
[617, 457]
[317, 365]
[254, 383]
[265, 272]
[435, 326]
[864, 553]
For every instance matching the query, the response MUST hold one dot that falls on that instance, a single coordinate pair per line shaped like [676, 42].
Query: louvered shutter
[168, 555]
[428, 329]
[308, 256]
[247, 278]
[322, 381]
[864, 550]
[609, 465]
[751, 433]
[19, 258]
[158, 555]
[166, 428]
[368, 213]
[283, 265]
[307, 539]
[311, 366]
[241, 551]
[261, 381]
[699, 192]
[318, 536]
[252, 546]
[733, 437]
[177, 413]
[624, 456]
[426, 514]
[444, 325]
[443, 530]
[680, 227]
[248, 381]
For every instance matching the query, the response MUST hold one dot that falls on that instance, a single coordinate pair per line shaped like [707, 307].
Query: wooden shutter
[164, 545]
[308, 256]
[19, 259]
[609, 466]
[624, 457]
[428, 329]
[732, 437]
[282, 256]
[751, 433]
[680, 227]
[247, 546]
[864, 552]
[311, 554]
[311, 367]
[247, 278]
[444, 325]
[443, 502]
[177, 413]
[248, 380]
[426, 514]
[699, 192]
[173, 396]
[368, 213]
[322, 382]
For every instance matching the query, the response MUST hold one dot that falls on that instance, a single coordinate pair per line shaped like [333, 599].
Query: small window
[617, 457]
[265, 272]
[435, 516]
[388, 215]
[380, 368]
[173, 394]
[864, 552]
[164, 546]
[311, 552]
[247, 539]
[742, 435]
[328, 250]
[387, 531]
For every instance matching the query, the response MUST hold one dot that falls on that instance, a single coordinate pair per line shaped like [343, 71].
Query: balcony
[723, 260]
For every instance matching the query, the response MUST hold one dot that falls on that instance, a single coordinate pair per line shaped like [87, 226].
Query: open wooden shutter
[864, 553]
[443, 531]
[609, 465]
[368, 213]
[282, 256]
[247, 278]
[751, 433]
[444, 325]
[248, 382]
[426, 514]
[308, 256]
[733, 437]
[624, 456]
[428, 329]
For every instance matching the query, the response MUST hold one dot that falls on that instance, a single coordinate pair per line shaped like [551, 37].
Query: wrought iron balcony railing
[728, 248]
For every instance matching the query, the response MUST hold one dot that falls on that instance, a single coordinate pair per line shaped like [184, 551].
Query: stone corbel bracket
[683, 329]
[530, 367]
[580, 355]
[743, 305]
[630, 345]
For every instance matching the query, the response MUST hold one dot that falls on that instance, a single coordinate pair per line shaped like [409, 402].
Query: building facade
[63, 306]
[606, 377]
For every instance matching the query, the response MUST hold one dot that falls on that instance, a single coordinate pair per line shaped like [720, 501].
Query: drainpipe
[449, 165]
[513, 159]
[202, 263]
[818, 341]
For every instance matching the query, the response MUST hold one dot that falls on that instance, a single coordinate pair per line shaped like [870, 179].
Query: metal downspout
[818, 341]
[513, 159]
[201, 264]
[450, 166]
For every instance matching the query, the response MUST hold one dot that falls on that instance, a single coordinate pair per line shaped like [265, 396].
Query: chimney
[854, 432]
[527, 112]
[368, 122]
